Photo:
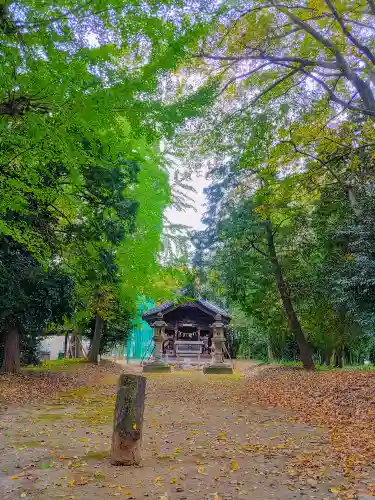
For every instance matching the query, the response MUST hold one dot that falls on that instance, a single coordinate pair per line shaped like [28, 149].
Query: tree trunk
[66, 339]
[327, 357]
[11, 361]
[271, 356]
[338, 357]
[128, 420]
[77, 345]
[95, 344]
[282, 285]
[353, 202]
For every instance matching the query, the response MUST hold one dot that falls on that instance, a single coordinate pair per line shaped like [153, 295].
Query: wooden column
[175, 338]
[128, 420]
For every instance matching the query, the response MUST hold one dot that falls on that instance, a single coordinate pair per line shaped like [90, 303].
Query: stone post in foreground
[218, 339]
[128, 420]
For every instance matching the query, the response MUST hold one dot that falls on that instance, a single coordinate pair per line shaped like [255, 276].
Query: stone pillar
[218, 339]
[128, 420]
[158, 365]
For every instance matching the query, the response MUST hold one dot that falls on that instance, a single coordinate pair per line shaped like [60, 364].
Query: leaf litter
[220, 443]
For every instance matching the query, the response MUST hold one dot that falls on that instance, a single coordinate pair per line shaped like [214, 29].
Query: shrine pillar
[158, 365]
[217, 364]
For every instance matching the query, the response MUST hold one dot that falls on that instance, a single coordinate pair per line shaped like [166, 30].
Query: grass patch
[51, 416]
[93, 418]
[96, 455]
[56, 365]
[81, 393]
[32, 444]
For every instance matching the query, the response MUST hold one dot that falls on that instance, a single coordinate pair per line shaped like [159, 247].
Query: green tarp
[141, 334]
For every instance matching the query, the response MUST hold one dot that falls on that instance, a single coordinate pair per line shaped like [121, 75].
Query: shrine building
[188, 328]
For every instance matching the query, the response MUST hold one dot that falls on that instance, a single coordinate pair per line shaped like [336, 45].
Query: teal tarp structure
[140, 335]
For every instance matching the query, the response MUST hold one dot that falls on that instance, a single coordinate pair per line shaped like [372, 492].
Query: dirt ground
[201, 441]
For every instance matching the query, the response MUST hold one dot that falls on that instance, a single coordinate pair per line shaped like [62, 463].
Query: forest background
[109, 107]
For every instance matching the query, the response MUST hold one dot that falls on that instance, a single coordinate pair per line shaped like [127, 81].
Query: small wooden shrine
[190, 329]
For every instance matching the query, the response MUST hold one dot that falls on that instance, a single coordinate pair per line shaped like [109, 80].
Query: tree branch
[363, 87]
[335, 98]
[362, 48]
[371, 4]
[273, 59]
[253, 245]
[243, 75]
[273, 85]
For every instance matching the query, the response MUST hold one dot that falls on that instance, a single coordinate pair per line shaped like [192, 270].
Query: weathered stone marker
[218, 339]
[128, 420]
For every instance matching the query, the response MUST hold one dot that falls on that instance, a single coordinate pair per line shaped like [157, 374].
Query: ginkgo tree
[80, 107]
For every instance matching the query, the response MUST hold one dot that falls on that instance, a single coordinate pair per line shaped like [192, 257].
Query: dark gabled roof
[174, 305]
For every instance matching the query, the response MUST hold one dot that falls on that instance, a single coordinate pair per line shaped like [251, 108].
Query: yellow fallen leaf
[134, 426]
[336, 490]
[173, 480]
[14, 477]
[72, 483]
[234, 465]
[157, 479]
[202, 471]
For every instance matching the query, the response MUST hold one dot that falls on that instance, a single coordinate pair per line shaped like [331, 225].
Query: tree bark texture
[95, 344]
[327, 357]
[11, 361]
[77, 345]
[66, 339]
[282, 285]
[128, 420]
[338, 357]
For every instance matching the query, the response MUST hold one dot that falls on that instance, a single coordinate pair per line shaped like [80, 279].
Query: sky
[191, 218]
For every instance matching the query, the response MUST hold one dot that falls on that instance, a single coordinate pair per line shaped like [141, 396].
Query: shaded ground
[204, 439]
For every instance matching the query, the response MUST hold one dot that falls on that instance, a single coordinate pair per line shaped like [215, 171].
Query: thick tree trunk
[338, 357]
[128, 420]
[271, 356]
[77, 345]
[11, 361]
[327, 357]
[95, 344]
[282, 285]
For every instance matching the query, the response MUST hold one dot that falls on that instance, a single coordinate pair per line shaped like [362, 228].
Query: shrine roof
[169, 306]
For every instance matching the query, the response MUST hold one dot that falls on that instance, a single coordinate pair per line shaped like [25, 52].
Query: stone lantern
[158, 365]
[217, 364]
